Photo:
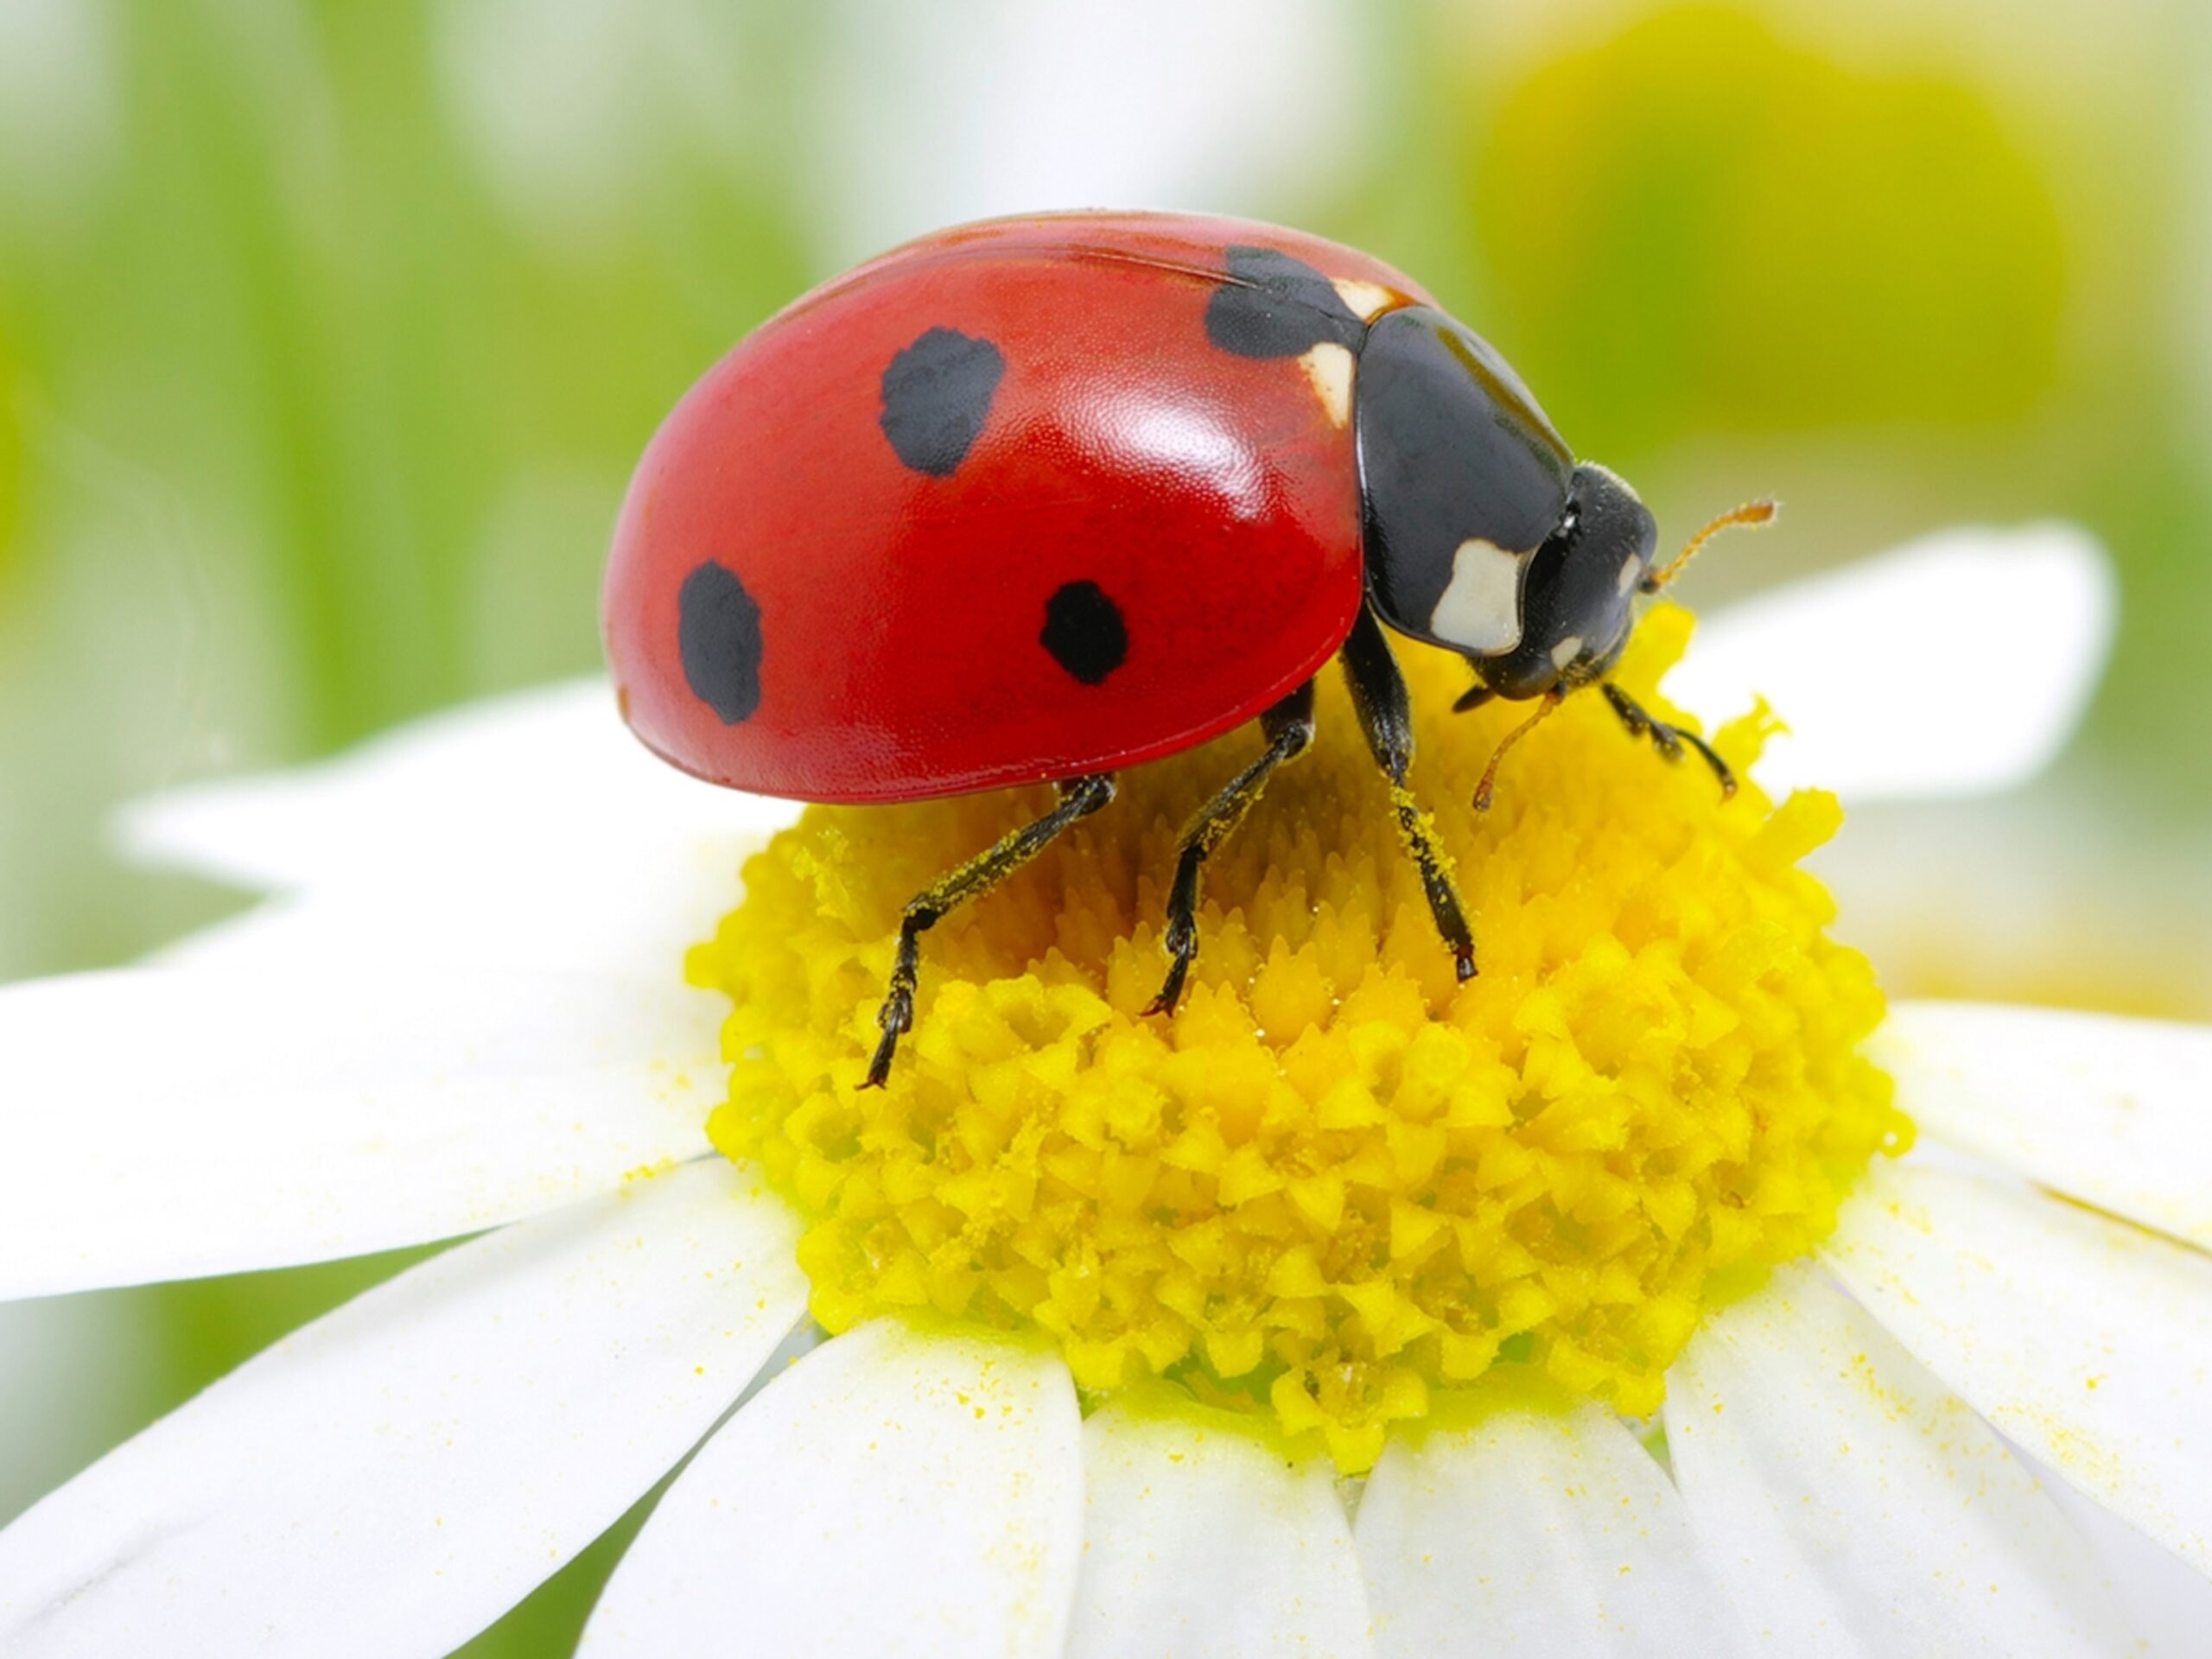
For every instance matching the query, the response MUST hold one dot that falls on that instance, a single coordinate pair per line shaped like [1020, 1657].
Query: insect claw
[878, 1069]
[1171, 993]
[1670, 740]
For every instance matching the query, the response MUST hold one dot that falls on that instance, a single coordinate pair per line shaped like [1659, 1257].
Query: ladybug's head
[1578, 591]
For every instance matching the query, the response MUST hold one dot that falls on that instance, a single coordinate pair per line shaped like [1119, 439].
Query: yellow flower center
[1335, 1182]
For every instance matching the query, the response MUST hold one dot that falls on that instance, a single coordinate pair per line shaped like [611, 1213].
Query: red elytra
[896, 617]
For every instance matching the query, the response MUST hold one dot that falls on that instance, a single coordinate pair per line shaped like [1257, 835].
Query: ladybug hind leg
[1378, 692]
[1080, 798]
[1667, 739]
[1289, 727]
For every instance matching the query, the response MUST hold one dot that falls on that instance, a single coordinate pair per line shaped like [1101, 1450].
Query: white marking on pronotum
[1329, 366]
[1631, 571]
[1481, 608]
[1366, 300]
[1565, 651]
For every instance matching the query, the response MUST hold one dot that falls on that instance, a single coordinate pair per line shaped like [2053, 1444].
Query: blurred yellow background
[330, 334]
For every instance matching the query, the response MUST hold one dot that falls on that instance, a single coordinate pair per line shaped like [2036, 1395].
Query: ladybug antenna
[1490, 772]
[1761, 512]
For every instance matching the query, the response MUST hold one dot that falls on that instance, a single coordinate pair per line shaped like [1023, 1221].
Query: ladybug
[1037, 499]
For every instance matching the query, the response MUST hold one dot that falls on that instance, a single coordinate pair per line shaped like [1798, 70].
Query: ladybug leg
[1667, 739]
[1378, 692]
[1289, 727]
[1080, 798]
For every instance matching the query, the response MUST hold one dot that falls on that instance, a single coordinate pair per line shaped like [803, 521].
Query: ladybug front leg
[1385, 716]
[1289, 727]
[1080, 798]
[1667, 739]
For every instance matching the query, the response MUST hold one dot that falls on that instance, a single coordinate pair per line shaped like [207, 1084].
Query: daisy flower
[1594, 1307]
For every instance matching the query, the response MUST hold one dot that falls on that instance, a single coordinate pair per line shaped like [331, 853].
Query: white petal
[2116, 1112]
[391, 1479]
[543, 789]
[2087, 1341]
[635, 914]
[892, 1494]
[1853, 1505]
[1903, 676]
[2168, 1604]
[1200, 1538]
[166, 1124]
[1546, 1532]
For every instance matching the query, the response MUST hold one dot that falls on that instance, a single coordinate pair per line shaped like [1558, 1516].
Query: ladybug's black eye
[1578, 603]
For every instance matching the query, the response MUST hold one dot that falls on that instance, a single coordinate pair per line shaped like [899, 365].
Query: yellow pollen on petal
[1337, 1186]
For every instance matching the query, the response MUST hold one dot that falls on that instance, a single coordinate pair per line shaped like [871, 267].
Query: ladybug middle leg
[1289, 727]
[1667, 739]
[1080, 798]
[1378, 692]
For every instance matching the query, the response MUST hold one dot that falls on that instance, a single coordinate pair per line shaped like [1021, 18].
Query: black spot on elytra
[1276, 306]
[1084, 631]
[718, 634]
[936, 395]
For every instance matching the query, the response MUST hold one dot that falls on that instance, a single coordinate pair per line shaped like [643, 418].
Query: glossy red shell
[1211, 496]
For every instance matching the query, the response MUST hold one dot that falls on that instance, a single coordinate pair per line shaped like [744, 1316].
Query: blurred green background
[329, 334]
